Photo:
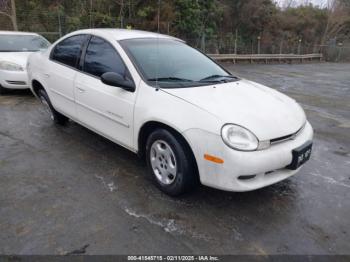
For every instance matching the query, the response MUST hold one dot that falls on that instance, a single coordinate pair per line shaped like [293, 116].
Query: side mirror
[117, 80]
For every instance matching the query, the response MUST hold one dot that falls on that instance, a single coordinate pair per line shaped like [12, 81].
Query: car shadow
[119, 158]
[18, 92]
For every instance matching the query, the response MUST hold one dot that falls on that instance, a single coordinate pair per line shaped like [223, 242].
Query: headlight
[9, 66]
[239, 138]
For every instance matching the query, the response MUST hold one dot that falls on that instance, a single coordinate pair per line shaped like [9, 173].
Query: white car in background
[15, 48]
[160, 98]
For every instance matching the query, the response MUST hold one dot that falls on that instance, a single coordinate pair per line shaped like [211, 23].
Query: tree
[196, 18]
[338, 21]
[213, 25]
[8, 9]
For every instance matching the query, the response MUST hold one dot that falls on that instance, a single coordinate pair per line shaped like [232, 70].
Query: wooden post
[281, 46]
[236, 41]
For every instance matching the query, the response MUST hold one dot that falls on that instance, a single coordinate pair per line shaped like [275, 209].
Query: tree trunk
[325, 33]
[14, 15]
[121, 14]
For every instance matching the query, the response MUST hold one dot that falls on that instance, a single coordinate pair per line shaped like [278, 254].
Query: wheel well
[37, 86]
[149, 127]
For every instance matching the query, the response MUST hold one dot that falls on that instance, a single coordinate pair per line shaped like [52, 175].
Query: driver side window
[101, 58]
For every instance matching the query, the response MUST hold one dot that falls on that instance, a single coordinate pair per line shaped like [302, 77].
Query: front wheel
[170, 163]
[57, 117]
[3, 90]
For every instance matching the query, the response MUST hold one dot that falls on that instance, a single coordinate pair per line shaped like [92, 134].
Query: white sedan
[15, 48]
[190, 118]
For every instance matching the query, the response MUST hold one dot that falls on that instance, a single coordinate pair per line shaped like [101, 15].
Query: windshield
[22, 43]
[170, 63]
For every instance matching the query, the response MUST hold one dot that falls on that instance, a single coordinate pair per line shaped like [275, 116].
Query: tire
[3, 90]
[170, 163]
[56, 117]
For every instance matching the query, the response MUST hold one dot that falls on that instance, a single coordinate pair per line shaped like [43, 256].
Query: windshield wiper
[217, 77]
[164, 79]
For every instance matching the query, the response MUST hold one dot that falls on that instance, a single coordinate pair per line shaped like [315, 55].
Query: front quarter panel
[156, 105]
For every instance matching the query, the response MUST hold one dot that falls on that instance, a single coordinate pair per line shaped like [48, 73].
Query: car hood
[267, 113]
[19, 58]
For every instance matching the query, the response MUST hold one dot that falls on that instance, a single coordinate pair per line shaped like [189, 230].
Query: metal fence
[336, 53]
[331, 52]
[253, 46]
[52, 25]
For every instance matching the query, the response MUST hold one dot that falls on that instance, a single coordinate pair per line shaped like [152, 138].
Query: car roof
[16, 33]
[123, 34]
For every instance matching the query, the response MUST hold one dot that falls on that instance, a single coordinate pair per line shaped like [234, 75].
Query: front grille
[287, 137]
[248, 178]
[281, 139]
[19, 83]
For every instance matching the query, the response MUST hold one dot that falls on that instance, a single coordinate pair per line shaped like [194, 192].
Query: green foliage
[193, 20]
[145, 12]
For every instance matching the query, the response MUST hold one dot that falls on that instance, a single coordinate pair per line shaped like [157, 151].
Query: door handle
[81, 90]
[47, 75]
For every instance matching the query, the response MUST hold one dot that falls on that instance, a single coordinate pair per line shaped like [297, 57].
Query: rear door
[106, 109]
[62, 71]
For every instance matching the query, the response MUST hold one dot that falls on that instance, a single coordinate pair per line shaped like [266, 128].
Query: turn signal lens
[213, 159]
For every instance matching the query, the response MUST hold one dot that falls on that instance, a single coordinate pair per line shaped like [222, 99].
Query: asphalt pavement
[67, 189]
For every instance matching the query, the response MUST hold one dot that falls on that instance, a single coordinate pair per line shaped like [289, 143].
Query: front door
[106, 109]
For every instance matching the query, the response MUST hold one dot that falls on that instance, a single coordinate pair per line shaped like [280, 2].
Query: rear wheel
[57, 117]
[170, 163]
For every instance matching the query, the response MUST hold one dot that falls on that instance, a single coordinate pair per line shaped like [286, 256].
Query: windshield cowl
[170, 82]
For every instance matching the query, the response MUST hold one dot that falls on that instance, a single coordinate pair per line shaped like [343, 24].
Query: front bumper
[243, 171]
[14, 79]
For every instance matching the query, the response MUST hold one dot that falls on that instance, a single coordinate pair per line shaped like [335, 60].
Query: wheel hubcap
[46, 107]
[163, 162]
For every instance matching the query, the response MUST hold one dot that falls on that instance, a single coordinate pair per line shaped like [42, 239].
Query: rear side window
[101, 58]
[68, 51]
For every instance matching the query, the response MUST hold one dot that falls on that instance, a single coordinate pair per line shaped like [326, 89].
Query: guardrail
[266, 57]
